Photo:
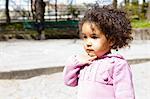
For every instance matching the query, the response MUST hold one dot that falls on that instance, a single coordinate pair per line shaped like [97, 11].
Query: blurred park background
[58, 19]
[37, 36]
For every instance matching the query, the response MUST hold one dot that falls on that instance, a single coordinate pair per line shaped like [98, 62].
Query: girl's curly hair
[112, 22]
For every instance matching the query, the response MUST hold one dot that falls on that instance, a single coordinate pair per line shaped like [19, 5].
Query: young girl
[101, 74]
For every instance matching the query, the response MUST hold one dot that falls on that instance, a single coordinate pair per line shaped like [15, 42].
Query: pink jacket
[106, 78]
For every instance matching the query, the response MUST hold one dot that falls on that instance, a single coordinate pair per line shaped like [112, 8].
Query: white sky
[16, 3]
[65, 1]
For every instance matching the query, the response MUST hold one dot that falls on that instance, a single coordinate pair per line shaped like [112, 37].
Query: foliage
[140, 24]
[132, 9]
[135, 10]
[73, 10]
[12, 26]
[17, 31]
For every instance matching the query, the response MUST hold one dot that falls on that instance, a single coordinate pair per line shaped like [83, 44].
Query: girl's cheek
[84, 45]
[96, 46]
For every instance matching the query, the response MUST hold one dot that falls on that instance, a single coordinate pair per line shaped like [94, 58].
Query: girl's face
[95, 42]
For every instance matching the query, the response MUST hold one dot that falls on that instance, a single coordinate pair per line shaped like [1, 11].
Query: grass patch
[140, 24]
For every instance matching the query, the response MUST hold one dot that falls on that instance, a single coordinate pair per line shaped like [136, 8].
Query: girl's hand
[85, 59]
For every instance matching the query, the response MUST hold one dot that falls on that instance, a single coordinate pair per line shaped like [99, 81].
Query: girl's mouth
[90, 52]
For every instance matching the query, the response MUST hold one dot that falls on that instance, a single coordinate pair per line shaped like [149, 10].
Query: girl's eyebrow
[82, 34]
[94, 34]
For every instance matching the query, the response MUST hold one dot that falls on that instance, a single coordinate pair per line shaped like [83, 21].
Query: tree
[148, 12]
[39, 10]
[114, 3]
[144, 9]
[7, 12]
[56, 9]
[89, 5]
[33, 8]
[135, 2]
[73, 10]
[39, 15]
[126, 2]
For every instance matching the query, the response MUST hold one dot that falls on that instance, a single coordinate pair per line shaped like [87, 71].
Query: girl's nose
[88, 43]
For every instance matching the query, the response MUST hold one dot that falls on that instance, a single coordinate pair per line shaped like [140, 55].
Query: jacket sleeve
[71, 71]
[123, 85]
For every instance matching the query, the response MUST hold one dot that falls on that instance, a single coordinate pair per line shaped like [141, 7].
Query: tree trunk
[148, 12]
[7, 12]
[143, 9]
[39, 15]
[136, 2]
[56, 9]
[115, 3]
[33, 9]
[39, 10]
[126, 2]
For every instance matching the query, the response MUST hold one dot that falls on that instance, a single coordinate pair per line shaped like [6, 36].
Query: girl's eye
[83, 36]
[94, 37]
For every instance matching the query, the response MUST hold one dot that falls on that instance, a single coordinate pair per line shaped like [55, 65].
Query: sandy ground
[52, 87]
[21, 54]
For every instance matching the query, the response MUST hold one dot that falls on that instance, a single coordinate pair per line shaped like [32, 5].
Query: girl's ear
[111, 42]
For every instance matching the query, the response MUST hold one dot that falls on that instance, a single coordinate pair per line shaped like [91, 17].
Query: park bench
[69, 24]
